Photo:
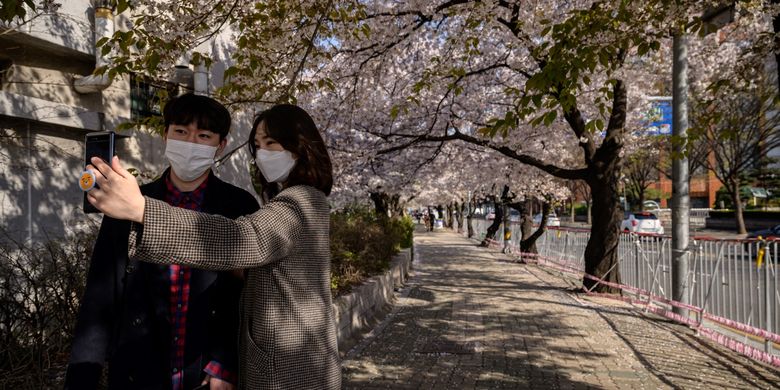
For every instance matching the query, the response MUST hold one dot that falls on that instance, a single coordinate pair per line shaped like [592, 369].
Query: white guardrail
[728, 286]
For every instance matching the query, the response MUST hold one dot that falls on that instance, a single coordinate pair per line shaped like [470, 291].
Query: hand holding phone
[97, 144]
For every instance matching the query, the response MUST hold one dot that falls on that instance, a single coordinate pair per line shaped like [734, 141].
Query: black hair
[293, 128]
[205, 112]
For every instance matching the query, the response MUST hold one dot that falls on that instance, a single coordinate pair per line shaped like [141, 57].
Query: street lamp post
[680, 174]
[713, 18]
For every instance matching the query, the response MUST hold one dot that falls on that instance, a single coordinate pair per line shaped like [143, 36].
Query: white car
[552, 220]
[642, 222]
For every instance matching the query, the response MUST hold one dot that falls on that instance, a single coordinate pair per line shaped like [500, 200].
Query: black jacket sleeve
[97, 313]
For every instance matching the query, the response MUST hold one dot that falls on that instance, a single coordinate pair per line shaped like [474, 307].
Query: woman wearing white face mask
[287, 335]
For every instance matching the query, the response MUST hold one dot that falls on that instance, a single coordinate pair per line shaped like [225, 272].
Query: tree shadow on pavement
[461, 326]
[471, 320]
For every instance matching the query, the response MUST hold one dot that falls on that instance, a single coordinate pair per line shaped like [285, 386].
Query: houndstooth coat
[288, 338]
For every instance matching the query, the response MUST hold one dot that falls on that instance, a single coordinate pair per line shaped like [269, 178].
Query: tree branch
[563, 173]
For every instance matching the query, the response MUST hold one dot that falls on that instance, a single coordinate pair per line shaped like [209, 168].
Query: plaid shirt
[180, 293]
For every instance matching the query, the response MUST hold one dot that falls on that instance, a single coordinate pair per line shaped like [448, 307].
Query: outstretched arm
[172, 235]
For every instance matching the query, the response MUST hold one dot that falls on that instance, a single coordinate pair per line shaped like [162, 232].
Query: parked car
[642, 222]
[767, 234]
[552, 220]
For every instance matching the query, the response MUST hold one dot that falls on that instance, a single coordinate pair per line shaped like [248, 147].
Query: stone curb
[358, 312]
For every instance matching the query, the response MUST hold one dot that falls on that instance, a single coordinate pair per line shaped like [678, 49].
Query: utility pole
[680, 174]
[714, 18]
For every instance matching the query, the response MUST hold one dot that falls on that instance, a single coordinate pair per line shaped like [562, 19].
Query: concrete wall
[358, 312]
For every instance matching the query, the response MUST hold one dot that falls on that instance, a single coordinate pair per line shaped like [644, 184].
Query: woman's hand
[118, 195]
[217, 384]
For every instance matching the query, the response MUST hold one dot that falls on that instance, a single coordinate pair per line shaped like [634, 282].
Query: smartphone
[97, 144]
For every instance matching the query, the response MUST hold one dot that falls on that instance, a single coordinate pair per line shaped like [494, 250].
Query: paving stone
[471, 319]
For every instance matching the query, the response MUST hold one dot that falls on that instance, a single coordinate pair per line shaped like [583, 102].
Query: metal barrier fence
[733, 279]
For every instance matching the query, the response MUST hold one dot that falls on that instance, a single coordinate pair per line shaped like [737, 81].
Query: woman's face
[263, 141]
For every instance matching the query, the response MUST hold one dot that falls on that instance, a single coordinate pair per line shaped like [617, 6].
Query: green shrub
[581, 209]
[363, 244]
[407, 231]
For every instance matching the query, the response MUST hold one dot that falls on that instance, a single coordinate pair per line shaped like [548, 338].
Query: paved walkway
[471, 319]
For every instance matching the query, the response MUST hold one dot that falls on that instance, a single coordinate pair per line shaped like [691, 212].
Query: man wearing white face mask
[165, 326]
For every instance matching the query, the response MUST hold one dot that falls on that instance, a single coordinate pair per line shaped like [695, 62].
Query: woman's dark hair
[206, 112]
[293, 128]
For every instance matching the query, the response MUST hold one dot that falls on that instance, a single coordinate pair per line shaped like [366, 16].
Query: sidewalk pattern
[470, 318]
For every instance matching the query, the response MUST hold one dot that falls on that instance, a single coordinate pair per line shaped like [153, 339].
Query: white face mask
[189, 160]
[275, 165]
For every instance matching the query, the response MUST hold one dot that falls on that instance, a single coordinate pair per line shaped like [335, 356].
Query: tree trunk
[738, 217]
[528, 243]
[526, 226]
[590, 212]
[573, 216]
[470, 217]
[641, 205]
[394, 205]
[493, 229]
[601, 251]
[776, 28]
[460, 208]
[380, 203]
[450, 215]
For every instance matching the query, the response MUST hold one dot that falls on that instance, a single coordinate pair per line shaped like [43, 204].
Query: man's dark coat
[124, 318]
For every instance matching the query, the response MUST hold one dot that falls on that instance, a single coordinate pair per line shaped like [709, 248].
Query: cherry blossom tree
[553, 85]
[513, 78]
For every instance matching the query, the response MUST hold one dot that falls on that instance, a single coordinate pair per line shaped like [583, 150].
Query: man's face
[191, 133]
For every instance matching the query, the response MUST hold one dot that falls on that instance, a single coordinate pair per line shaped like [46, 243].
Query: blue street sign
[659, 119]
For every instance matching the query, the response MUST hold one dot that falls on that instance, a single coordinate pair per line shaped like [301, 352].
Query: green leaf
[537, 99]
[122, 5]
[152, 61]
[549, 118]
[642, 49]
[394, 112]
[230, 72]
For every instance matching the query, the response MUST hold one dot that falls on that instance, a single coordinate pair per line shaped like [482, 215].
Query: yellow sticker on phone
[87, 181]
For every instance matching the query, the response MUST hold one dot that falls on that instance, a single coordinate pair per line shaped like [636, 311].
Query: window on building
[147, 96]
